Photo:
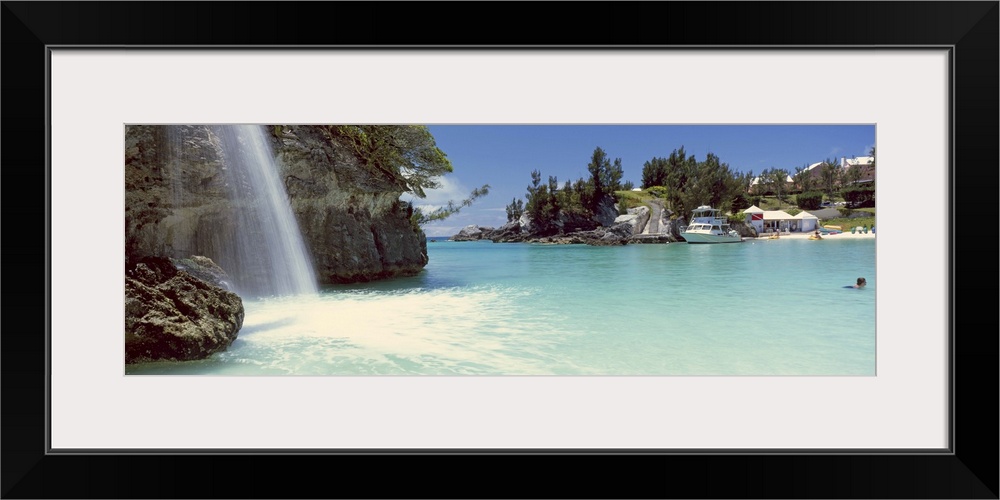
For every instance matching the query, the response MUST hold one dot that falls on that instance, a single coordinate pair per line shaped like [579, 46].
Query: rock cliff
[350, 216]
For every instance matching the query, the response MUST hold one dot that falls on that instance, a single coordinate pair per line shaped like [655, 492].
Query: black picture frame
[970, 470]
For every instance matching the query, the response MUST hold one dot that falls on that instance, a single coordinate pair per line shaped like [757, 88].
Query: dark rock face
[509, 232]
[570, 226]
[349, 246]
[573, 222]
[673, 228]
[172, 315]
[472, 233]
[350, 216]
[606, 213]
[745, 230]
[655, 238]
[637, 217]
[618, 234]
[204, 269]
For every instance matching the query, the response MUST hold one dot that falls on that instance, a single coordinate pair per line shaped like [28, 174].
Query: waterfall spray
[266, 254]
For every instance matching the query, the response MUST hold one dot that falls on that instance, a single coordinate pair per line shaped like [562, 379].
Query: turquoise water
[771, 307]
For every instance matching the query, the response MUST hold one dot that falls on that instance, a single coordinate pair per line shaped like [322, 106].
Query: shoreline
[783, 236]
[805, 236]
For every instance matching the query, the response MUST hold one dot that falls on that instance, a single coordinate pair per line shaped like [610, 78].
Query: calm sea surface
[771, 307]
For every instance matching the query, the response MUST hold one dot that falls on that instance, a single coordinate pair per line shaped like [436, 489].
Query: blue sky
[503, 156]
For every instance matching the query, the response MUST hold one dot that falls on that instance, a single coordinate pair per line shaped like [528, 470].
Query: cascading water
[265, 254]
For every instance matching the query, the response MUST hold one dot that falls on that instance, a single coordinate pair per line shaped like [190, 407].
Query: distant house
[815, 171]
[866, 165]
[758, 187]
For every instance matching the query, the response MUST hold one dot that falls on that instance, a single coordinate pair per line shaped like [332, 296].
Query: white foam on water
[443, 332]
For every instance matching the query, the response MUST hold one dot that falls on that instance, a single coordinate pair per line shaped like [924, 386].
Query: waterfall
[264, 251]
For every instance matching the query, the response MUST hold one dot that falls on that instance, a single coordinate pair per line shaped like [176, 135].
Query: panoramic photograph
[500, 250]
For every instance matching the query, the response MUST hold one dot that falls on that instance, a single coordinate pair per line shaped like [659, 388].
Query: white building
[779, 220]
[765, 221]
[756, 186]
[866, 164]
[755, 217]
[806, 222]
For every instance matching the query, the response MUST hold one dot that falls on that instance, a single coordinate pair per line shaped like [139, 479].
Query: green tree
[829, 176]
[654, 173]
[745, 180]
[680, 168]
[719, 180]
[809, 200]
[765, 182]
[542, 206]
[407, 155]
[514, 210]
[739, 202]
[614, 176]
[859, 196]
[599, 168]
[533, 191]
[605, 179]
[803, 179]
[553, 206]
[852, 175]
[584, 190]
[779, 181]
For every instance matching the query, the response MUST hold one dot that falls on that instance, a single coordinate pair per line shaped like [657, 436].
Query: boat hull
[702, 238]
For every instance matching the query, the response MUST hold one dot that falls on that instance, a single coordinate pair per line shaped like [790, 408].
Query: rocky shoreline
[638, 226]
[619, 234]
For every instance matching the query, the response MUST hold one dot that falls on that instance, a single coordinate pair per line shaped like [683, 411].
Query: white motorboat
[709, 226]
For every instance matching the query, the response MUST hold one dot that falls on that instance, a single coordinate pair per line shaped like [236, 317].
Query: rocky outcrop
[636, 217]
[606, 213]
[571, 222]
[584, 231]
[204, 269]
[509, 232]
[472, 233]
[745, 230]
[672, 227]
[172, 315]
[618, 234]
[177, 201]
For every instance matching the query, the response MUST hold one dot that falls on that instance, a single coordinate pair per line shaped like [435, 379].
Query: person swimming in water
[860, 284]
